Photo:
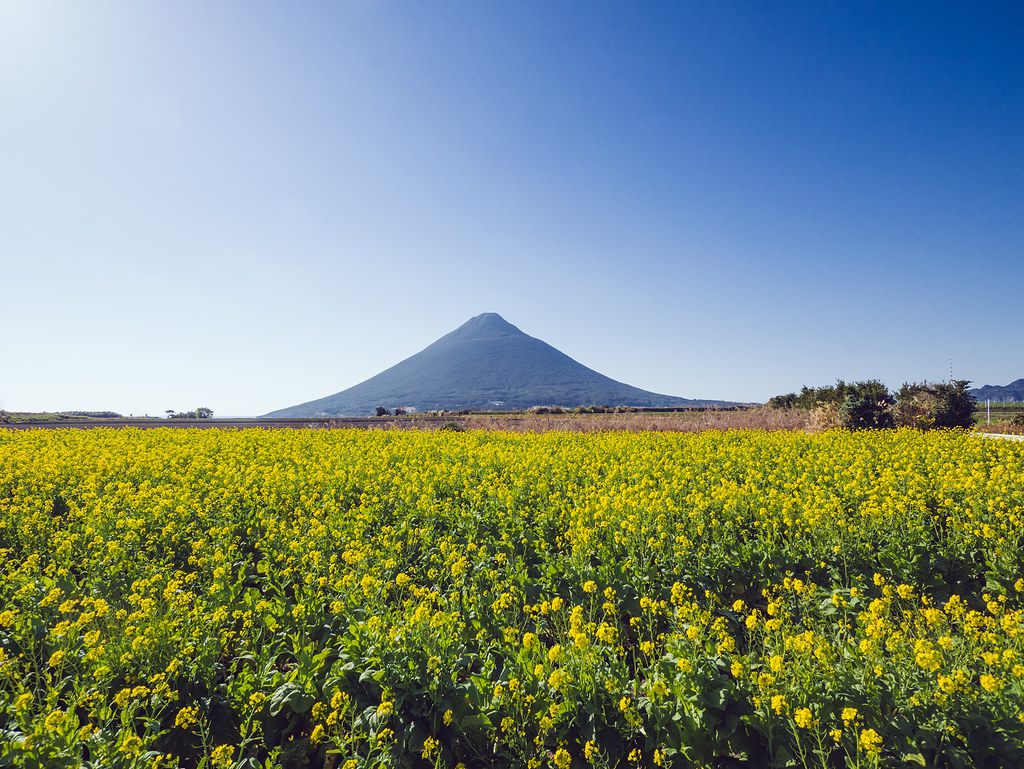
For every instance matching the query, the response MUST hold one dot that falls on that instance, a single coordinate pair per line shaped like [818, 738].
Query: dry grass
[1000, 428]
[760, 418]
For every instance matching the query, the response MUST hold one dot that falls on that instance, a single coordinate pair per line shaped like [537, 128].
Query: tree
[383, 412]
[867, 405]
[203, 413]
[925, 406]
[814, 397]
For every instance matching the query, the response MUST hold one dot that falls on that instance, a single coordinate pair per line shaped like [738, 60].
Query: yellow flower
[54, 720]
[589, 586]
[989, 682]
[562, 758]
[23, 702]
[870, 740]
[803, 718]
[556, 679]
[187, 716]
[223, 755]
[430, 747]
[130, 744]
[927, 657]
[849, 715]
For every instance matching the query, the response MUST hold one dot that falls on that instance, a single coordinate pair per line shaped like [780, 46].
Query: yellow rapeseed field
[187, 598]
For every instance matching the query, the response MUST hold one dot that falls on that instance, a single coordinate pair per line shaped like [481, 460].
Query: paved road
[1002, 435]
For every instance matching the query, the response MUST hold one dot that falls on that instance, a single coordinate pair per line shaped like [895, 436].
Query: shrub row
[870, 405]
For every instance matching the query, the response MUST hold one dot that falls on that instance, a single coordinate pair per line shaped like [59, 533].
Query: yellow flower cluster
[542, 600]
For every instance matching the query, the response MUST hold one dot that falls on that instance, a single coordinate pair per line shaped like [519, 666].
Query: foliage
[300, 598]
[866, 406]
[382, 412]
[200, 413]
[935, 405]
[869, 404]
[815, 397]
[62, 416]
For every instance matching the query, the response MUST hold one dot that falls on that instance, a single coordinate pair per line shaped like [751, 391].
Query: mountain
[486, 364]
[1012, 393]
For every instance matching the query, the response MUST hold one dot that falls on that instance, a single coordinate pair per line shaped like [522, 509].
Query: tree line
[869, 404]
[200, 413]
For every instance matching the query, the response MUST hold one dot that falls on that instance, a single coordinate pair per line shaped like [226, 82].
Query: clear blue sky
[247, 205]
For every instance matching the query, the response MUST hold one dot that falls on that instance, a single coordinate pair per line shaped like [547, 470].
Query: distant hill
[486, 364]
[1011, 393]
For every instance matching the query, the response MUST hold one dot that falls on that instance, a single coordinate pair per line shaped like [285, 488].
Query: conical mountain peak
[486, 325]
[484, 364]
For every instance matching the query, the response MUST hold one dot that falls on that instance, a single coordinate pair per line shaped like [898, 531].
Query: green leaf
[476, 721]
[292, 696]
[716, 697]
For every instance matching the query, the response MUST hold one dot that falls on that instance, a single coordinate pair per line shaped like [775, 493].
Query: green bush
[926, 406]
[870, 405]
[867, 405]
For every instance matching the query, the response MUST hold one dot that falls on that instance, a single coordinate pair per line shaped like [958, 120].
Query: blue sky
[247, 205]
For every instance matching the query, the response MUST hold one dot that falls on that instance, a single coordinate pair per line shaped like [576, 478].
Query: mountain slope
[1011, 393]
[485, 364]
